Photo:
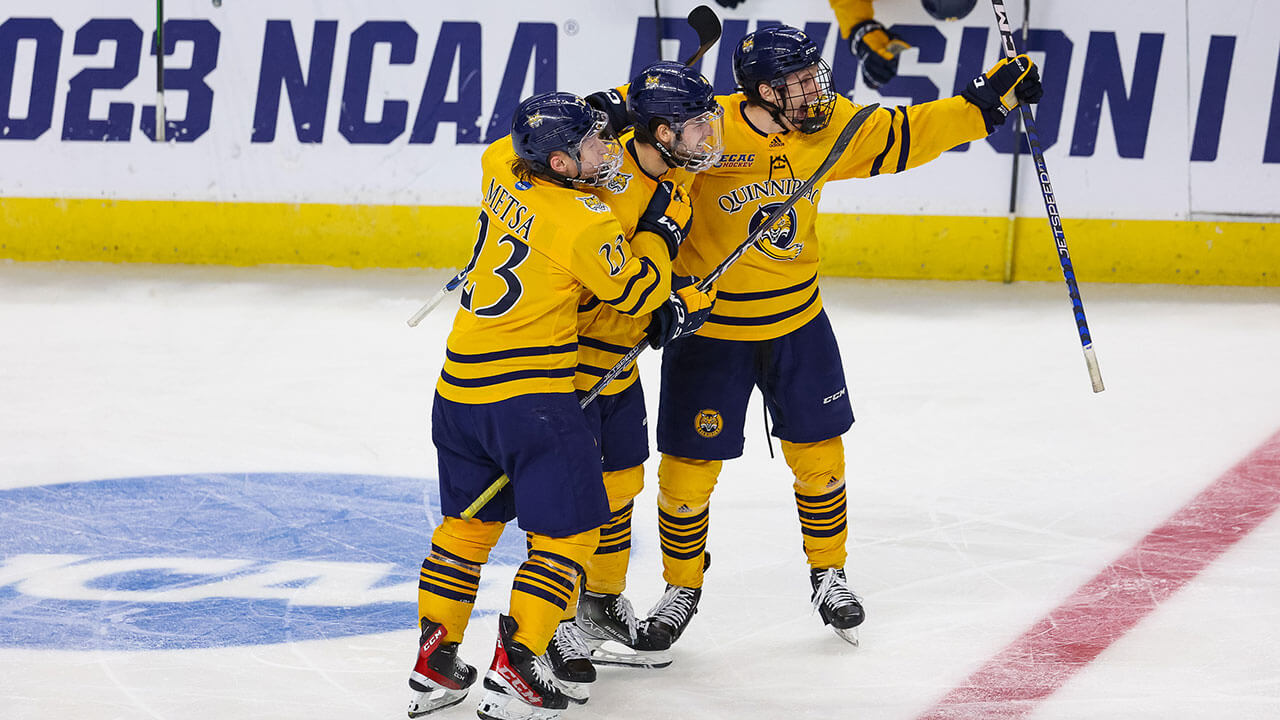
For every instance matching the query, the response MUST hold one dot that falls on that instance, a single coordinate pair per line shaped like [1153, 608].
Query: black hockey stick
[1051, 207]
[837, 149]
[704, 22]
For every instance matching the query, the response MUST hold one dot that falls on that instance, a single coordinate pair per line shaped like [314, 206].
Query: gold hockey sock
[450, 575]
[820, 499]
[607, 568]
[684, 498]
[545, 583]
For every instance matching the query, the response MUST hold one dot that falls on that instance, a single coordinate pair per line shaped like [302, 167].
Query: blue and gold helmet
[773, 56]
[561, 121]
[672, 94]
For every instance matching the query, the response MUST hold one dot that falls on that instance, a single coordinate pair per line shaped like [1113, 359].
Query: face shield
[699, 141]
[599, 158]
[805, 97]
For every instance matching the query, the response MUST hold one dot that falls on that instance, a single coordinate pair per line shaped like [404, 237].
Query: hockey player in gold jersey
[768, 329]
[505, 402]
[678, 128]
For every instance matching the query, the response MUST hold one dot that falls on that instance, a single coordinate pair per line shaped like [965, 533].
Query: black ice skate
[570, 659]
[668, 619]
[615, 636]
[519, 684]
[836, 603]
[438, 679]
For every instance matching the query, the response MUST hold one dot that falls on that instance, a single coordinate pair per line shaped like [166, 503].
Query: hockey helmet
[774, 56]
[561, 121]
[949, 9]
[672, 94]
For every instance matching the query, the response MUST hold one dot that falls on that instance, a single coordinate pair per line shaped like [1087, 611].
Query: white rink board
[584, 46]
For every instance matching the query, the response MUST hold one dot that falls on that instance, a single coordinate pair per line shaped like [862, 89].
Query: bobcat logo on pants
[708, 423]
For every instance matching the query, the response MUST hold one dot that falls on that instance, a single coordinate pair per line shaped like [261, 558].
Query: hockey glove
[669, 215]
[877, 49]
[610, 103]
[1010, 82]
[682, 314]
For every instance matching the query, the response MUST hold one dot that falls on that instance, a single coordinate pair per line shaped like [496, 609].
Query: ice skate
[671, 615]
[438, 679]
[519, 684]
[570, 658]
[615, 636]
[836, 603]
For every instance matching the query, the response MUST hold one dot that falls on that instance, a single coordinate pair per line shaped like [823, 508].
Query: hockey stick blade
[703, 20]
[1051, 208]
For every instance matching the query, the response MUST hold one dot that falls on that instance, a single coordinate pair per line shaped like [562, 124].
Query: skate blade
[578, 693]
[501, 706]
[849, 635]
[438, 698]
[616, 654]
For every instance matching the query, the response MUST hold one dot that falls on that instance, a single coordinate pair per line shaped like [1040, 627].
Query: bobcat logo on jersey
[708, 423]
[618, 183]
[778, 242]
[594, 204]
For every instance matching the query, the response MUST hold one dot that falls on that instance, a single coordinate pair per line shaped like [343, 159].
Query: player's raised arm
[901, 138]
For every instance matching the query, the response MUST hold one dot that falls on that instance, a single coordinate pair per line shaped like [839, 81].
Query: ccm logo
[833, 398]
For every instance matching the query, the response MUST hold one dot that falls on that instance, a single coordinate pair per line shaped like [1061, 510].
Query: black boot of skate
[519, 684]
[570, 656]
[438, 679]
[669, 618]
[615, 636]
[836, 603]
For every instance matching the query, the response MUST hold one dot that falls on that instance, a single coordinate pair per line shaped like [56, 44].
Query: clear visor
[599, 158]
[699, 141]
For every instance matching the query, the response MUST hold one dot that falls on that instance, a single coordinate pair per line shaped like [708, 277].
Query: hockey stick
[704, 22]
[1051, 207]
[1011, 234]
[837, 149]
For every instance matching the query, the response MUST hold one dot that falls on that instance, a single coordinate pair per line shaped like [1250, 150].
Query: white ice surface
[986, 483]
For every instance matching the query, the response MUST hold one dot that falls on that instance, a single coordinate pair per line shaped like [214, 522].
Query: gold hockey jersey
[604, 334]
[538, 247]
[773, 287]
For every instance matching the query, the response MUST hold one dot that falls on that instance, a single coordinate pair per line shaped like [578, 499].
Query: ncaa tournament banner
[349, 133]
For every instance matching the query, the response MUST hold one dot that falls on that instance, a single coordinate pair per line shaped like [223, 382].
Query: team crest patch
[618, 183]
[748, 44]
[708, 423]
[594, 204]
[779, 241]
[535, 120]
[652, 81]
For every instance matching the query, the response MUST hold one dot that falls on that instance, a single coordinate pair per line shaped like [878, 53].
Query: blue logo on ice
[190, 561]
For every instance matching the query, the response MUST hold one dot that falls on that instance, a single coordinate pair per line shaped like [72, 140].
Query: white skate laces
[675, 607]
[570, 642]
[833, 590]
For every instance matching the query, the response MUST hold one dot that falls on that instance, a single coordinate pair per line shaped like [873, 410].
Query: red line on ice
[1102, 610]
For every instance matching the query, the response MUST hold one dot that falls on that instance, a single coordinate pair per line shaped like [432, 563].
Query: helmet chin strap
[775, 111]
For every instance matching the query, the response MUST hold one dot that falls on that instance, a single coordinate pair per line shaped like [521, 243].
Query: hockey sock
[545, 583]
[820, 499]
[607, 568]
[450, 575]
[684, 498]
